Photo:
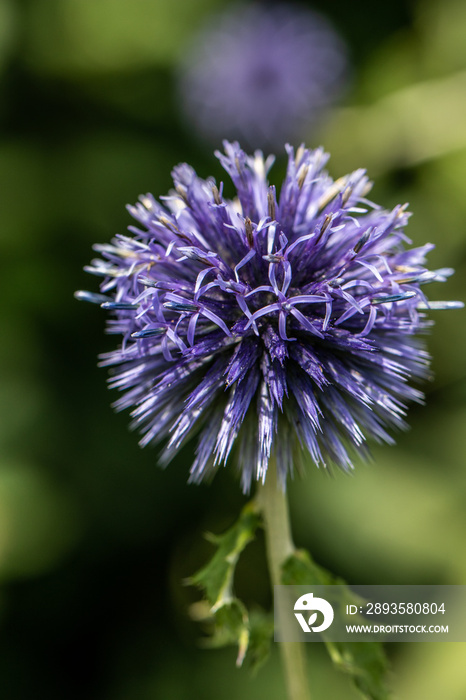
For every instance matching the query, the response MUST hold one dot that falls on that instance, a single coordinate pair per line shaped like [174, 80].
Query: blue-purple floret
[268, 324]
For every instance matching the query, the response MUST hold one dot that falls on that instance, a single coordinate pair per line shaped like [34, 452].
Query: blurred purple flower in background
[261, 74]
[266, 323]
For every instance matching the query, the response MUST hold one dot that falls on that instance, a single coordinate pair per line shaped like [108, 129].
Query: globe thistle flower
[261, 74]
[266, 323]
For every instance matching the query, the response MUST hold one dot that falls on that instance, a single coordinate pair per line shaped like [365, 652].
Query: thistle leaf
[365, 662]
[231, 623]
[216, 577]
[260, 638]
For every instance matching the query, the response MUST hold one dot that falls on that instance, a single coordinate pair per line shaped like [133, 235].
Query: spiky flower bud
[264, 74]
[266, 323]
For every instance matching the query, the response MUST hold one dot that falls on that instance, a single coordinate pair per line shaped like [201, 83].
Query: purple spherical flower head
[268, 324]
[262, 74]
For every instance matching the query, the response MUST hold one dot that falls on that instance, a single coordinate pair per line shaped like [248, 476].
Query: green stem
[274, 507]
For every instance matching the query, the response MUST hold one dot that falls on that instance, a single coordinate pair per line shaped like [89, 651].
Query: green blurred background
[95, 540]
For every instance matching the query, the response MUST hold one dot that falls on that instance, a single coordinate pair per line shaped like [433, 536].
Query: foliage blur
[95, 539]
